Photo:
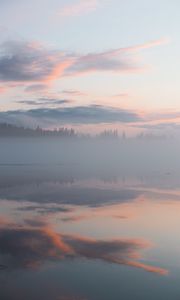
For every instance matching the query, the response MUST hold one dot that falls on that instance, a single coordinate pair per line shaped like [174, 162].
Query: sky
[90, 64]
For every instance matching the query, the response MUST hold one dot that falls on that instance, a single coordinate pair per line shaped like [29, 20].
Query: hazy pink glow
[79, 8]
[58, 71]
[121, 95]
[2, 90]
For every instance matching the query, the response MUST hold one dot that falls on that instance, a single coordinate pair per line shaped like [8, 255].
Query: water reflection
[29, 247]
[55, 224]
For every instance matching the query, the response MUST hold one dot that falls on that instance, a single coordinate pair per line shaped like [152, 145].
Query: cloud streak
[36, 88]
[116, 60]
[93, 114]
[44, 102]
[73, 93]
[35, 66]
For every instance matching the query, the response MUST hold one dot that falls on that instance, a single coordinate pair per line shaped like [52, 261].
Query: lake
[88, 231]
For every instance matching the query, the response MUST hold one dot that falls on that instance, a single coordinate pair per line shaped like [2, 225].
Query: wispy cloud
[78, 8]
[31, 62]
[163, 126]
[93, 114]
[116, 60]
[163, 121]
[35, 67]
[44, 102]
[36, 88]
[73, 93]
[151, 44]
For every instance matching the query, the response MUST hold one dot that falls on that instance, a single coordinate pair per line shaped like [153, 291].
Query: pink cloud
[79, 8]
[58, 70]
[31, 64]
[117, 60]
[151, 44]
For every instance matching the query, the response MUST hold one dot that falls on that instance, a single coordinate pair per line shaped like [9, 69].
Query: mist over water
[89, 150]
[129, 154]
[79, 215]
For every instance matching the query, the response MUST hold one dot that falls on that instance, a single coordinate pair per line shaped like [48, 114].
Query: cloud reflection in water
[30, 247]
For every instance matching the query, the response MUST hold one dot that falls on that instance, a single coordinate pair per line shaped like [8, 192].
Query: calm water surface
[68, 233]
